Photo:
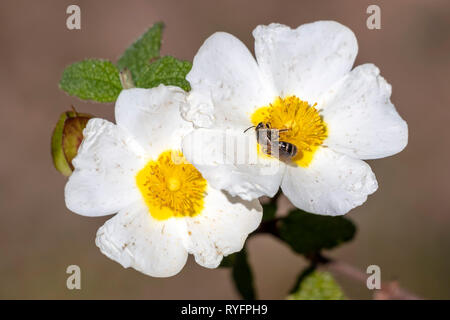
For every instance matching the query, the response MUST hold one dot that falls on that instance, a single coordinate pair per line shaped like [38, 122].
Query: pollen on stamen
[306, 128]
[171, 188]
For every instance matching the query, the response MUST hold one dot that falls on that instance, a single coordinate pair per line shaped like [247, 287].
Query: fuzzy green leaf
[91, 79]
[139, 54]
[318, 285]
[307, 233]
[167, 71]
[242, 276]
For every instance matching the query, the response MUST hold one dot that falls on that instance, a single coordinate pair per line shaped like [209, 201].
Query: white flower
[165, 208]
[302, 81]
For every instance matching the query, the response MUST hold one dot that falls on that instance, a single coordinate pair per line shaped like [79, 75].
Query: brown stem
[388, 291]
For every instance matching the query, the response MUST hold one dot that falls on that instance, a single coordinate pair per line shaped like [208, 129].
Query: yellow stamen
[171, 188]
[306, 128]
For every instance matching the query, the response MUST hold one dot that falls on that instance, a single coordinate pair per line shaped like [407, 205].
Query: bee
[286, 150]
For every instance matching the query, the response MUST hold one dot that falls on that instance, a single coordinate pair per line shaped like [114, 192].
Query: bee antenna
[249, 128]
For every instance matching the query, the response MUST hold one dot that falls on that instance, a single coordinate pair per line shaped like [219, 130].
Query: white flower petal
[332, 184]
[152, 116]
[221, 228]
[361, 119]
[225, 80]
[305, 61]
[104, 178]
[228, 161]
[134, 239]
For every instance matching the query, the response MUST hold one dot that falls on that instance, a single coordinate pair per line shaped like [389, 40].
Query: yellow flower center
[171, 186]
[306, 128]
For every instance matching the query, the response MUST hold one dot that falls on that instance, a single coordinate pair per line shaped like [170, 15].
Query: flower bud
[67, 137]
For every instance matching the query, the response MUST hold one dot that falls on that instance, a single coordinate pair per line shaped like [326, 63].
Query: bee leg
[264, 149]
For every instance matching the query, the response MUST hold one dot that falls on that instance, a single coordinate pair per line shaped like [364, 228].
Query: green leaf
[269, 210]
[167, 71]
[242, 276]
[66, 139]
[228, 261]
[96, 80]
[318, 285]
[308, 233]
[139, 54]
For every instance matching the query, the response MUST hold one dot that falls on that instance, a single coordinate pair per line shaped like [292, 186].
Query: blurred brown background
[403, 227]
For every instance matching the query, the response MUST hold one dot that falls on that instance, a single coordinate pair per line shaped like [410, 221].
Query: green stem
[126, 79]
